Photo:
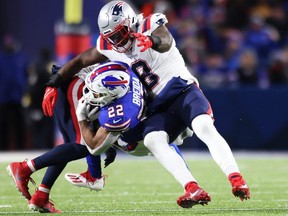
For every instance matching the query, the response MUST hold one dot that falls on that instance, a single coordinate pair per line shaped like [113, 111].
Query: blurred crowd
[229, 43]
[22, 123]
[225, 43]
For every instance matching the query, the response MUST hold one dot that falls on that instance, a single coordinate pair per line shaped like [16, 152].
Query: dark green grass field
[140, 186]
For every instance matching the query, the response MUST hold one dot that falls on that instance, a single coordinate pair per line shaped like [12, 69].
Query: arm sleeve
[110, 139]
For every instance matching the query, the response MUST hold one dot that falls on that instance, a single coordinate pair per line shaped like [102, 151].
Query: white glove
[81, 109]
[92, 112]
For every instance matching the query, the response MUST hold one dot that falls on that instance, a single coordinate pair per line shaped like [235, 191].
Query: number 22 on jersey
[115, 111]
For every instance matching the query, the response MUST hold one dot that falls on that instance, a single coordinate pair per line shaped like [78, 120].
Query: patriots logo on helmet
[160, 21]
[117, 10]
[111, 82]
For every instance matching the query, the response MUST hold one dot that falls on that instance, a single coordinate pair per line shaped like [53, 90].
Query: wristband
[55, 80]
[156, 41]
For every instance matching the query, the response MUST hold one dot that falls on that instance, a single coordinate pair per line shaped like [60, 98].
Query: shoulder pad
[153, 21]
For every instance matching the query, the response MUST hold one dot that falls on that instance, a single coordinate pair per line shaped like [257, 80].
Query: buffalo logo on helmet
[111, 82]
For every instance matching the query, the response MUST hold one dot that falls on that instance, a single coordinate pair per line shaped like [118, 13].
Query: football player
[147, 46]
[121, 99]
[66, 118]
[65, 115]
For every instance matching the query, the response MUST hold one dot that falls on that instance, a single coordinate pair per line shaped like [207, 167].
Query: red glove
[143, 40]
[49, 100]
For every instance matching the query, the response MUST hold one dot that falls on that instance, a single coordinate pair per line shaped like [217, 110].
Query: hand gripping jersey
[125, 112]
[159, 72]
[84, 71]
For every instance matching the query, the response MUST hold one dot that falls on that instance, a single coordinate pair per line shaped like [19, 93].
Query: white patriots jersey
[154, 69]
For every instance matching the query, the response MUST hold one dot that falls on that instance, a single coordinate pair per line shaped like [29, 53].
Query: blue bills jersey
[125, 112]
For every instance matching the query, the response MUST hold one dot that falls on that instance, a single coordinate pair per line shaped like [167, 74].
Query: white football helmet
[107, 82]
[116, 21]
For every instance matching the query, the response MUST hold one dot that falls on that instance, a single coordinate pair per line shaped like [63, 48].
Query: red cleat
[20, 172]
[239, 186]
[40, 202]
[194, 195]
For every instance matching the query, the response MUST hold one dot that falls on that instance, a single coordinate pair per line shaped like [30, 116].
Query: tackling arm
[87, 58]
[97, 143]
[160, 40]
[165, 37]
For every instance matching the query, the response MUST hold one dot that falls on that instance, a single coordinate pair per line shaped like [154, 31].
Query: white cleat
[86, 180]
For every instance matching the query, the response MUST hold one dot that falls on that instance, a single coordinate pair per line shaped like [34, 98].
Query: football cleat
[41, 203]
[193, 195]
[86, 180]
[239, 186]
[20, 172]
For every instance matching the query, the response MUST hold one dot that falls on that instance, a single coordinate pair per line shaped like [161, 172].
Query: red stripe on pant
[74, 93]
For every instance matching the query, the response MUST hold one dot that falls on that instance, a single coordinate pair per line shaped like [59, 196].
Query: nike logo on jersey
[115, 121]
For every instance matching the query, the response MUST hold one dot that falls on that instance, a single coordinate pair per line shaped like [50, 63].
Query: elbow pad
[110, 139]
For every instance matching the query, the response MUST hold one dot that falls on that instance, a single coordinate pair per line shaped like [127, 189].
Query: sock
[219, 149]
[175, 147]
[51, 174]
[43, 188]
[94, 165]
[43, 192]
[157, 143]
[31, 165]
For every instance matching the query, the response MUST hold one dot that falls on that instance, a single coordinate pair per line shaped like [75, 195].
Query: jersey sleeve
[153, 21]
[118, 124]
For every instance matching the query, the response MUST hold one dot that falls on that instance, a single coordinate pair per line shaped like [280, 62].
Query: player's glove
[146, 42]
[92, 112]
[81, 109]
[110, 156]
[51, 94]
[49, 100]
